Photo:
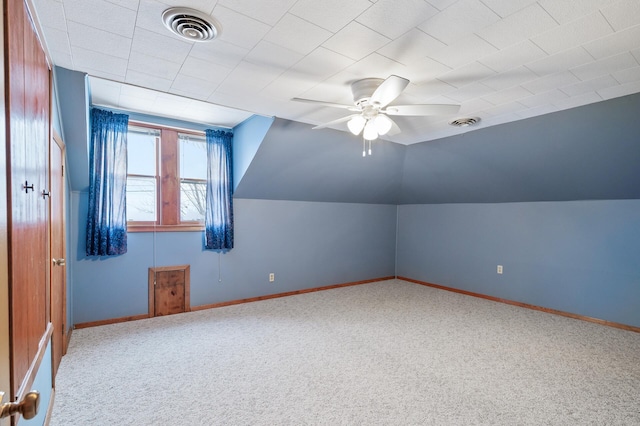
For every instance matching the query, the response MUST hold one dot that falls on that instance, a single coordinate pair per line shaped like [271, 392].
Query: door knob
[59, 262]
[28, 407]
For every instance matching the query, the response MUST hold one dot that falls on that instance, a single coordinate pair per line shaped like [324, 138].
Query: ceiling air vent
[191, 24]
[464, 122]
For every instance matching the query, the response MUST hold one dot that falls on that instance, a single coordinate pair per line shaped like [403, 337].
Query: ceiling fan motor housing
[363, 89]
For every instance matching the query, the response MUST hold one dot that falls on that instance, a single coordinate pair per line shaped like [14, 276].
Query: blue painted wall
[579, 257]
[297, 163]
[305, 244]
[56, 120]
[586, 153]
[510, 195]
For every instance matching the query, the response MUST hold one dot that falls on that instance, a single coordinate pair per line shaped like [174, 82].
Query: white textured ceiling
[502, 60]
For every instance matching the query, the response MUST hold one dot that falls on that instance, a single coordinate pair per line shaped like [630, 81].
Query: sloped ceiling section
[297, 163]
[71, 91]
[586, 153]
[247, 137]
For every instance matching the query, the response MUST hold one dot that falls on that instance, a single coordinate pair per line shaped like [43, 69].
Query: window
[166, 179]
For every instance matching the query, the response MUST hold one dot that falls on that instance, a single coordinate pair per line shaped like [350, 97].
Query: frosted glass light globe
[356, 124]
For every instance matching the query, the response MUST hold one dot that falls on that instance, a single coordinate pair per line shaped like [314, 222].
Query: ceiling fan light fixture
[370, 132]
[383, 124]
[356, 124]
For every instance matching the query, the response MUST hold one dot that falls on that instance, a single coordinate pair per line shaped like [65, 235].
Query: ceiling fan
[372, 97]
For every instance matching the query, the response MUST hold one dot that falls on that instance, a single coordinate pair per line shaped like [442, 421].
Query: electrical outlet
[272, 277]
[500, 269]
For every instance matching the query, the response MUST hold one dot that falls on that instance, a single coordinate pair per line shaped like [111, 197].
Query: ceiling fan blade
[395, 129]
[339, 120]
[389, 90]
[327, 104]
[434, 109]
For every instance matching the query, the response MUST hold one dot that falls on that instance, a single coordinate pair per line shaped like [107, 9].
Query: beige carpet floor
[385, 353]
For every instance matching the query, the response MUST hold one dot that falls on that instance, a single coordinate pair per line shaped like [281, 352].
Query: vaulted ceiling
[501, 60]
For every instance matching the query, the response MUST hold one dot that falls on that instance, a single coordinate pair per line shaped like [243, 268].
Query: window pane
[141, 199]
[141, 151]
[193, 157]
[192, 200]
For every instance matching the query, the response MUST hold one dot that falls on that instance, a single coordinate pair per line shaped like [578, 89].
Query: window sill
[165, 228]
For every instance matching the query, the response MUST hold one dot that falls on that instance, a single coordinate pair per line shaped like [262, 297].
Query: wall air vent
[191, 24]
[464, 122]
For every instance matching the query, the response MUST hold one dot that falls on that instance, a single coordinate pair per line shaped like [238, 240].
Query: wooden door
[169, 290]
[58, 250]
[21, 336]
[5, 361]
[27, 111]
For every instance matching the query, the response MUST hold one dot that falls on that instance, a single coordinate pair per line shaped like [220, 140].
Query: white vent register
[191, 24]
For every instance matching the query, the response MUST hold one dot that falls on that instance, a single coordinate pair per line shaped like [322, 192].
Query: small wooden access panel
[168, 290]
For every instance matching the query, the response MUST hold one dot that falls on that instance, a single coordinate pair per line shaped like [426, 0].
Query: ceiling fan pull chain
[364, 142]
[369, 147]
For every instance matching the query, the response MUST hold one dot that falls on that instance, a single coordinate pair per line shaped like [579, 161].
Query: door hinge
[62, 170]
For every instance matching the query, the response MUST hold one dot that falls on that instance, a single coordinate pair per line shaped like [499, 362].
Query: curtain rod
[168, 126]
[164, 126]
